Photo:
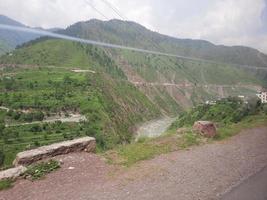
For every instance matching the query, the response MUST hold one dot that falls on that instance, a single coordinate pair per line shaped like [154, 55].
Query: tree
[2, 128]
[2, 157]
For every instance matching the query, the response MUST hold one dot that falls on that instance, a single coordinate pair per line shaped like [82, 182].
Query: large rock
[87, 144]
[12, 173]
[205, 128]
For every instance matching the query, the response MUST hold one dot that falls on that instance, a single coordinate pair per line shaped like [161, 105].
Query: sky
[228, 22]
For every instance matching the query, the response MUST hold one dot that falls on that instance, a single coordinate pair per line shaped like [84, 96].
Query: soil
[201, 172]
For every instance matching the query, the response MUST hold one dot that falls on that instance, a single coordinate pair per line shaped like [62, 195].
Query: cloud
[229, 22]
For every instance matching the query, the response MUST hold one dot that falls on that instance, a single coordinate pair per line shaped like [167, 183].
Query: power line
[115, 10]
[116, 46]
[92, 6]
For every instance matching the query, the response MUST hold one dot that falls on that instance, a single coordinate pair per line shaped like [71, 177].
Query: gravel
[203, 172]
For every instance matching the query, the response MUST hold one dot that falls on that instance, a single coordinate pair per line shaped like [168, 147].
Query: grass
[39, 170]
[34, 172]
[5, 184]
[145, 148]
[110, 105]
[246, 123]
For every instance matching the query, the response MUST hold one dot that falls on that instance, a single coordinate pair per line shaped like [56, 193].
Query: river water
[154, 128]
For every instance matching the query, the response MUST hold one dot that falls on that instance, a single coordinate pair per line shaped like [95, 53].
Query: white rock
[87, 144]
[12, 173]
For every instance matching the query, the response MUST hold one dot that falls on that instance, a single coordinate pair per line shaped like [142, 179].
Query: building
[263, 97]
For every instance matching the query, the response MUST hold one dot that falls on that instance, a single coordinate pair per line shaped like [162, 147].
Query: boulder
[87, 144]
[205, 128]
[12, 173]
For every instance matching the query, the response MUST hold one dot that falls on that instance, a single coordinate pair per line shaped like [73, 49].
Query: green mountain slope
[114, 89]
[10, 39]
[42, 80]
[174, 84]
[133, 34]
[186, 83]
[171, 84]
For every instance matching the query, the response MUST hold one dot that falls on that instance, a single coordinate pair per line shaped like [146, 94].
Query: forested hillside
[133, 34]
[45, 87]
[111, 90]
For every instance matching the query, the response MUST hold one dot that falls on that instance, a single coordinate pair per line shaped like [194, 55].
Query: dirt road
[255, 187]
[72, 118]
[203, 172]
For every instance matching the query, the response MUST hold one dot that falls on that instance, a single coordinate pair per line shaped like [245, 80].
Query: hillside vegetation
[113, 89]
[10, 39]
[224, 112]
[111, 104]
[133, 34]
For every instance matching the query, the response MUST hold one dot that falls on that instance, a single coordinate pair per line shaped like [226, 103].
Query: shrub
[2, 158]
[264, 108]
[5, 184]
[39, 170]
[225, 111]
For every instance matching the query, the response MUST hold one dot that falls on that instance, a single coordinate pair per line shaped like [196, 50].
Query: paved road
[254, 188]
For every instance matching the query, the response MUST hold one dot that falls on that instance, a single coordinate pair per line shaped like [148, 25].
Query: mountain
[133, 34]
[170, 83]
[115, 89]
[10, 39]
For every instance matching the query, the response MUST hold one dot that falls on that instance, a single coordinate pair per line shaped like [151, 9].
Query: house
[263, 97]
[210, 102]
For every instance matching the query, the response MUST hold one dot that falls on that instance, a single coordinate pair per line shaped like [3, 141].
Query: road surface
[200, 173]
[254, 188]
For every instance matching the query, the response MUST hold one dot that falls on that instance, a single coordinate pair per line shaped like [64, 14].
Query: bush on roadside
[5, 184]
[37, 171]
[264, 108]
[226, 111]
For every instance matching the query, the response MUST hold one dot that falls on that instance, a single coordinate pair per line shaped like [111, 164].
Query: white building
[263, 97]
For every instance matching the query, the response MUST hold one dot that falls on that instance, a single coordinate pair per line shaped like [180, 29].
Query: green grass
[39, 170]
[145, 148]
[246, 123]
[111, 106]
[5, 184]
[33, 172]
[110, 103]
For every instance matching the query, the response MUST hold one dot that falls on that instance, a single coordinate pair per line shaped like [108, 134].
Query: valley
[154, 128]
[171, 105]
[54, 90]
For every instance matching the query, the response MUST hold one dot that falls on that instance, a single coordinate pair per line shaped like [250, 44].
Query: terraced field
[36, 97]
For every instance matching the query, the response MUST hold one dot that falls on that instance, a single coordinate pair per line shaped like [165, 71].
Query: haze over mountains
[133, 34]
[169, 83]
[10, 39]
[116, 89]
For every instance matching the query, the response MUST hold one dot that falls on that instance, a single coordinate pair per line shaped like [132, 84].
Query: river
[154, 128]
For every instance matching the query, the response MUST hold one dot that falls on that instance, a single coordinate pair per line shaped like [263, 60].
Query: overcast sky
[229, 22]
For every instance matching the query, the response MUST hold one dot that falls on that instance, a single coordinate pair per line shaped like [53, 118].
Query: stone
[205, 128]
[12, 173]
[87, 144]
[181, 130]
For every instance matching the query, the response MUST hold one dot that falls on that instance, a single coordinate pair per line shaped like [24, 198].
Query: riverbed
[154, 128]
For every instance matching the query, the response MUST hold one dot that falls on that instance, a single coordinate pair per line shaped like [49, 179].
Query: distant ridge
[10, 39]
[133, 34]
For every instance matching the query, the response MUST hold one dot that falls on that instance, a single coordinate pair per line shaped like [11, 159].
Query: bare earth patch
[202, 172]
